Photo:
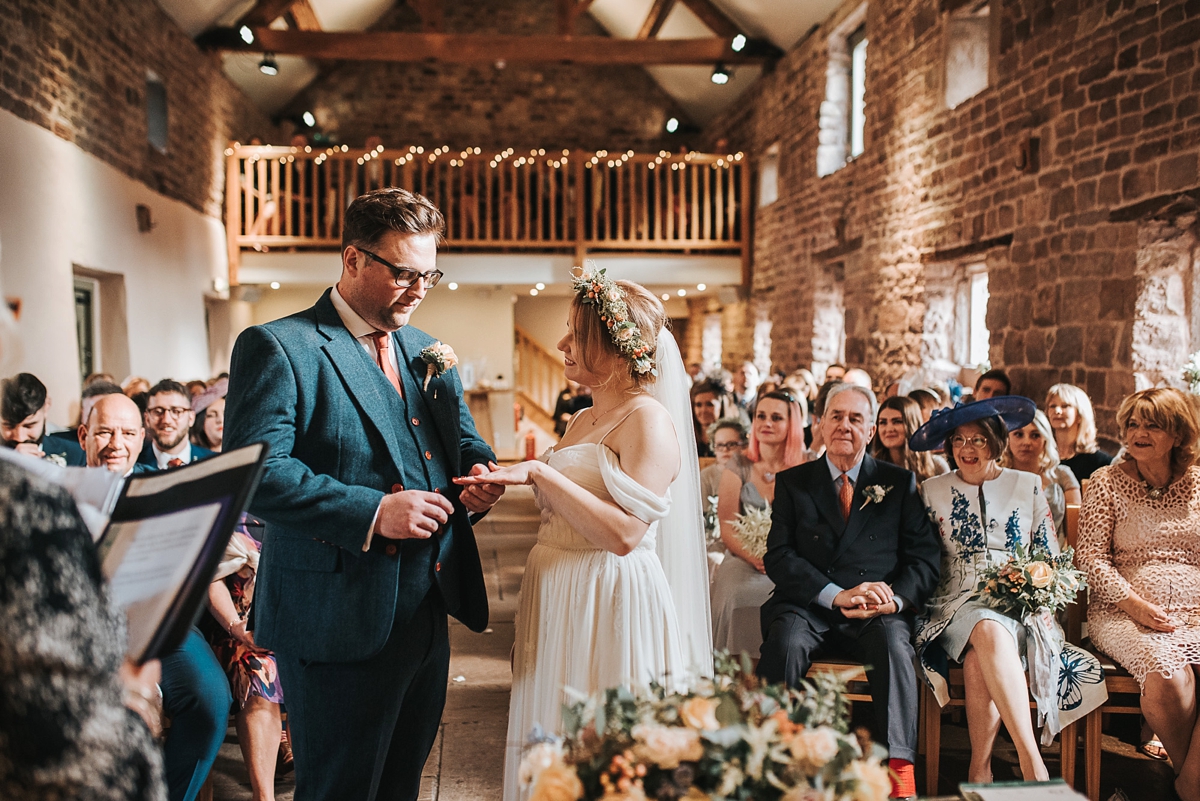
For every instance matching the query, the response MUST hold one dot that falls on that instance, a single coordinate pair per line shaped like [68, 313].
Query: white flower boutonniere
[874, 494]
[438, 359]
[56, 458]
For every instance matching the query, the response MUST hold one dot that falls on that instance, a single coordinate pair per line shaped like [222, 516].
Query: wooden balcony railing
[571, 201]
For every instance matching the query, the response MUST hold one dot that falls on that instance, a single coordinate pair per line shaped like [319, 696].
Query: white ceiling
[782, 22]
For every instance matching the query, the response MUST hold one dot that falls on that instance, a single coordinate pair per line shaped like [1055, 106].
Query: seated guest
[1140, 546]
[24, 406]
[195, 693]
[835, 373]
[208, 409]
[135, 385]
[853, 557]
[740, 585]
[857, 375]
[728, 437]
[992, 383]
[899, 418]
[98, 378]
[195, 387]
[746, 379]
[709, 402]
[928, 400]
[169, 419]
[812, 436]
[1031, 448]
[984, 512]
[1074, 423]
[251, 670]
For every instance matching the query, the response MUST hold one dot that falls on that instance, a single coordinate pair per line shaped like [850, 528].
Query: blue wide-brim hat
[1015, 410]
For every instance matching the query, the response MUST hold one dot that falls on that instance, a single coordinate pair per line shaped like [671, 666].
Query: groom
[368, 543]
[853, 557]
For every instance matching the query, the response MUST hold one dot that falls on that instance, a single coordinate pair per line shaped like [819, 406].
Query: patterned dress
[1152, 547]
[64, 730]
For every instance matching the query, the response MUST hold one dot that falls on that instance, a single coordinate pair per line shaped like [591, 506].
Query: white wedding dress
[589, 619]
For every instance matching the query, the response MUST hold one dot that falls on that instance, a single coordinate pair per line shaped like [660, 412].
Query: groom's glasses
[405, 278]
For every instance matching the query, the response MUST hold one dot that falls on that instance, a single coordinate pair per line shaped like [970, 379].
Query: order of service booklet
[165, 537]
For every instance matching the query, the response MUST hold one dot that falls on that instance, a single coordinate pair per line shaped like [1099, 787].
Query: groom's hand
[478, 498]
[412, 514]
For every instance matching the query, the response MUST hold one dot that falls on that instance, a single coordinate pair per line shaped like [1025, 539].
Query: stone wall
[80, 69]
[1091, 125]
[489, 105]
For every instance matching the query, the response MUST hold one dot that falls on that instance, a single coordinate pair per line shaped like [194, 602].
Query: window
[156, 112]
[87, 298]
[768, 176]
[968, 46]
[829, 317]
[956, 299]
[843, 112]
[980, 338]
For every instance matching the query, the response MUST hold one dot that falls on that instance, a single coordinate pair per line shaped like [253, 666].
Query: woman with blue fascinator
[983, 512]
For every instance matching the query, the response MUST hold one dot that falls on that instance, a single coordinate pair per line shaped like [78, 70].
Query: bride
[615, 591]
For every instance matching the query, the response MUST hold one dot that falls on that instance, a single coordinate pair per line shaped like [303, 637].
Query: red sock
[904, 783]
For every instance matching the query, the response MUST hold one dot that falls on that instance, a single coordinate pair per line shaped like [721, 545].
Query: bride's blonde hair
[592, 336]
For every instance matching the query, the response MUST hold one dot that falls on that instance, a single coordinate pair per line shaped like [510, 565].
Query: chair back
[707, 461]
[1076, 612]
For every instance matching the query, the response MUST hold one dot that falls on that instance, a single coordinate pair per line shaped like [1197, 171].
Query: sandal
[1153, 748]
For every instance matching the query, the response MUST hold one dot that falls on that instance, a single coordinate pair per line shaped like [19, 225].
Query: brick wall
[1111, 93]
[542, 105]
[79, 69]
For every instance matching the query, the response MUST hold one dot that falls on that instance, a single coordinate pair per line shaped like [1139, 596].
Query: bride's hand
[520, 473]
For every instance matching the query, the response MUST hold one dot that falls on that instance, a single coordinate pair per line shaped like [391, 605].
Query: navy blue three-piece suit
[360, 638]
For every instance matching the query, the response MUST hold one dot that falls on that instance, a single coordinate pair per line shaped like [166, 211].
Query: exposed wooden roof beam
[264, 13]
[486, 48]
[659, 11]
[302, 17]
[714, 18]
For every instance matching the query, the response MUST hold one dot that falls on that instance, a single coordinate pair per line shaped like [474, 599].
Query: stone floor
[467, 760]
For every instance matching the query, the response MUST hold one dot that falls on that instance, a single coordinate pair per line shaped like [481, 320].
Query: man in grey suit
[368, 543]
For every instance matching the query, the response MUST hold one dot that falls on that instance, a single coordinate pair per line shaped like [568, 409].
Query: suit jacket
[810, 545]
[340, 437]
[65, 448]
[147, 455]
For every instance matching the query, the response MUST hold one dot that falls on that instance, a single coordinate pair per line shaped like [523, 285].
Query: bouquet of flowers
[752, 528]
[728, 739]
[1031, 581]
[712, 526]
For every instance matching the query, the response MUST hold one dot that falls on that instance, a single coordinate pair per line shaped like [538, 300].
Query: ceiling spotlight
[309, 119]
[665, 296]
[701, 287]
[246, 34]
[274, 285]
[533, 292]
[673, 125]
[268, 66]
[540, 285]
[720, 74]
[738, 43]
[681, 292]
[453, 285]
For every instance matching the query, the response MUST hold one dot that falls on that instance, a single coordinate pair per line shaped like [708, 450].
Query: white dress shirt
[163, 458]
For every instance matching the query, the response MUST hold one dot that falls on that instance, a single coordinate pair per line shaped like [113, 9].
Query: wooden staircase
[539, 379]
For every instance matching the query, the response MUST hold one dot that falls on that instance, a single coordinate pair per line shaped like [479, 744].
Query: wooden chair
[1123, 691]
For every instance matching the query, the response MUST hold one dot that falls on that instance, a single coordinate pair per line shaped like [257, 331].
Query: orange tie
[846, 495]
[383, 347]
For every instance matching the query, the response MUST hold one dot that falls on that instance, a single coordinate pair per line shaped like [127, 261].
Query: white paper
[153, 483]
[1021, 791]
[149, 560]
[95, 489]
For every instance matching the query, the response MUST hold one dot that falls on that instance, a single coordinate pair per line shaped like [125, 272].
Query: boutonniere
[438, 359]
[56, 458]
[874, 494]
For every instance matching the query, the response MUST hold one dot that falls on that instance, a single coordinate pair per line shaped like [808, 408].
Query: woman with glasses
[1031, 448]
[710, 402]
[740, 585]
[728, 438]
[899, 418]
[1074, 424]
[983, 512]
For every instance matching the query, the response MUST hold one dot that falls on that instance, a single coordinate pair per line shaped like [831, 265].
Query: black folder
[165, 538]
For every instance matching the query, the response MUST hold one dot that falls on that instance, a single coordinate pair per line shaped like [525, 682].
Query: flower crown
[596, 289]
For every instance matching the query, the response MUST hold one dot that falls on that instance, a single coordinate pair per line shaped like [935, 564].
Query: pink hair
[793, 446]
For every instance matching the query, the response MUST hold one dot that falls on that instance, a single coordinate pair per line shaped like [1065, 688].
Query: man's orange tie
[846, 495]
[383, 347]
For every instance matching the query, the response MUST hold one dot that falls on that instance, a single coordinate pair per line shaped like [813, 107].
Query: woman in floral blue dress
[253, 677]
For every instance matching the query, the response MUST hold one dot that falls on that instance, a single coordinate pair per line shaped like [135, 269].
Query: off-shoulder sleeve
[627, 493]
[1094, 551]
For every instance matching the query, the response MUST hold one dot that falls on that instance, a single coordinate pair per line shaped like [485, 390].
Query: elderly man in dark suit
[368, 543]
[853, 557]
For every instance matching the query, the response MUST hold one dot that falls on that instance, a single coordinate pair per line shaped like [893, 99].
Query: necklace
[1152, 492]
[768, 476]
[596, 418]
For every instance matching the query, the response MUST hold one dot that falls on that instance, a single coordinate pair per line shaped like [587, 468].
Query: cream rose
[536, 760]
[667, 746]
[1040, 574]
[813, 749]
[613, 294]
[873, 782]
[557, 783]
[700, 713]
[624, 335]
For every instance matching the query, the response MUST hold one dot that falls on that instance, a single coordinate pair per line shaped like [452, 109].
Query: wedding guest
[195, 387]
[836, 373]
[1031, 448]
[740, 585]
[928, 401]
[728, 437]
[746, 379]
[563, 408]
[208, 409]
[853, 556]
[1139, 541]
[856, 375]
[992, 383]
[169, 420]
[984, 510]
[98, 378]
[251, 670]
[710, 402]
[1074, 423]
[24, 407]
[802, 384]
[695, 371]
[899, 418]
[135, 385]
